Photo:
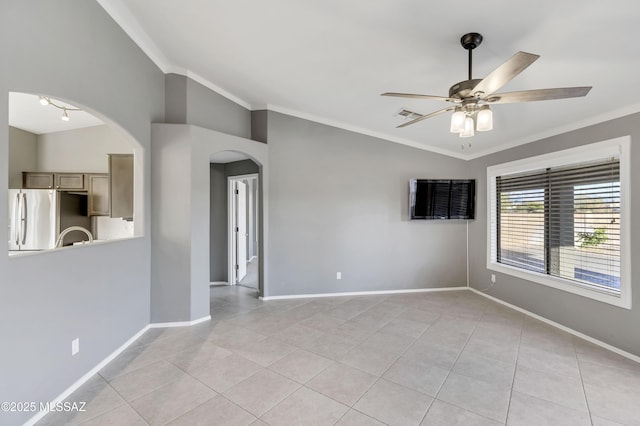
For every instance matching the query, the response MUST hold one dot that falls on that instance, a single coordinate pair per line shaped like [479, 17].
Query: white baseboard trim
[361, 293]
[179, 323]
[561, 327]
[60, 398]
[218, 283]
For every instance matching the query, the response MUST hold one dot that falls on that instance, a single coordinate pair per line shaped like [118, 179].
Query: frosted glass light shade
[484, 120]
[457, 122]
[468, 128]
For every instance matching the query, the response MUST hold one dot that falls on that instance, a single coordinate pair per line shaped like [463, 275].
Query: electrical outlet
[493, 278]
[338, 275]
[75, 346]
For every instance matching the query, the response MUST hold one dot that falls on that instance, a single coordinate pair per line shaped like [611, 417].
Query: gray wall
[175, 92]
[259, 127]
[81, 150]
[218, 264]
[189, 102]
[97, 293]
[171, 169]
[616, 326]
[219, 249]
[339, 202]
[23, 152]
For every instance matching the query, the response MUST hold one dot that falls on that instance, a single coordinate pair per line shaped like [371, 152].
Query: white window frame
[619, 148]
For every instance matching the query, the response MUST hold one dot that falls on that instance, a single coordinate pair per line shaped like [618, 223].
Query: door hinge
[237, 229]
[237, 266]
[237, 192]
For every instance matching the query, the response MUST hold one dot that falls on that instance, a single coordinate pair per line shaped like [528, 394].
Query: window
[559, 220]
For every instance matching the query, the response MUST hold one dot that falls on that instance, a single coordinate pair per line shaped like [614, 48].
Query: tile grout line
[221, 394]
[435, 397]
[351, 407]
[584, 391]
[515, 370]
[403, 352]
[394, 361]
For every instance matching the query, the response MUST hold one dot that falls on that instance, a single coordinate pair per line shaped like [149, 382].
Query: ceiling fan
[472, 98]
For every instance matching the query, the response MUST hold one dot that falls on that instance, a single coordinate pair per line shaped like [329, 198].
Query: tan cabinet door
[35, 180]
[98, 187]
[69, 181]
[121, 185]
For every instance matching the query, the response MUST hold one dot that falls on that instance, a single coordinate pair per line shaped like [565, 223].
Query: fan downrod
[470, 41]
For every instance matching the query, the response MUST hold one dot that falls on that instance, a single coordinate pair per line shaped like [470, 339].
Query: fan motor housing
[463, 89]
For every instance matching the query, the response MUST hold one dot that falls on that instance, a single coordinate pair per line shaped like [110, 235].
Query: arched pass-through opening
[87, 169]
[235, 220]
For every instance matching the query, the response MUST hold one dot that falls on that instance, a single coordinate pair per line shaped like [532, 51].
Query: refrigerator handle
[23, 219]
[16, 220]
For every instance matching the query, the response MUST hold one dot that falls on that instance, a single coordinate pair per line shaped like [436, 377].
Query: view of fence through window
[561, 228]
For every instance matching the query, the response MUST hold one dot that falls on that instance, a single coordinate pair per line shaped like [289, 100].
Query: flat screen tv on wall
[442, 199]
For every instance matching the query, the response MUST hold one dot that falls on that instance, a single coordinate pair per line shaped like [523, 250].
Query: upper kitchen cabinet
[121, 185]
[98, 189]
[69, 181]
[35, 180]
[62, 181]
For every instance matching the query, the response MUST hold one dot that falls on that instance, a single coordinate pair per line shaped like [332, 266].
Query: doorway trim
[231, 241]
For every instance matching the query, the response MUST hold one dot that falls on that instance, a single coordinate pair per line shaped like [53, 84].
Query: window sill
[621, 300]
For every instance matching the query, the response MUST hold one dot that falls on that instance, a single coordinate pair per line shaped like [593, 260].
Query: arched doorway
[235, 212]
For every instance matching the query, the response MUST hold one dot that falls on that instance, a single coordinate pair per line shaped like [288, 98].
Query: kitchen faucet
[70, 229]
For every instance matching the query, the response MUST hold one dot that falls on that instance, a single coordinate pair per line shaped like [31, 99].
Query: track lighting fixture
[44, 100]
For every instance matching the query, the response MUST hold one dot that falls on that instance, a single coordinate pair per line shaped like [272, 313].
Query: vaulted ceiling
[329, 60]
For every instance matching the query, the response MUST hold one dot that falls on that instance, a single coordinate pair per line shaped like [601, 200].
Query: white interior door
[241, 230]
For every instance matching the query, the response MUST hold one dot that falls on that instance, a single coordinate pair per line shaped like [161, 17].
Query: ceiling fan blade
[505, 73]
[414, 96]
[424, 117]
[538, 95]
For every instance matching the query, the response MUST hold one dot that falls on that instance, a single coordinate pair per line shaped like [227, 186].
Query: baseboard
[65, 394]
[33, 420]
[362, 293]
[179, 323]
[216, 283]
[561, 327]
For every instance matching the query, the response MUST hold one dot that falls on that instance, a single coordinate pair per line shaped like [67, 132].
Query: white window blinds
[562, 221]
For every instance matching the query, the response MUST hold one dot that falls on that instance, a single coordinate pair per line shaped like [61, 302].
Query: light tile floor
[444, 358]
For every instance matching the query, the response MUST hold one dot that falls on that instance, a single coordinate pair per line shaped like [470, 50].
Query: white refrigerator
[32, 219]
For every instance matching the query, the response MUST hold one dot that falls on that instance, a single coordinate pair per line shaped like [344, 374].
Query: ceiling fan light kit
[484, 119]
[472, 97]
